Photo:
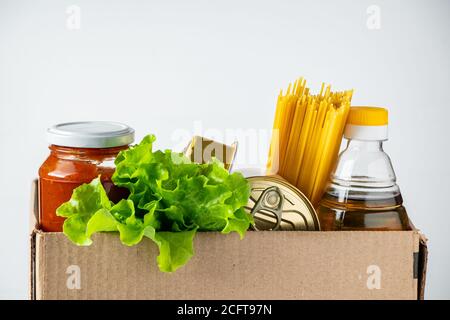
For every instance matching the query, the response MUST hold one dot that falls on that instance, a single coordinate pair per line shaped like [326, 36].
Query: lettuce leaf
[170, 199]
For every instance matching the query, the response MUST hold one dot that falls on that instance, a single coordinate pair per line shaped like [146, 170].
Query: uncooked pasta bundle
[306, 137]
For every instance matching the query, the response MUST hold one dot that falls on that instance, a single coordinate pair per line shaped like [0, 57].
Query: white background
[161, 67]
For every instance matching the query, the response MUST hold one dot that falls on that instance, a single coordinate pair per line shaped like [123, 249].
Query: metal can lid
[277, 205]
[90, 134]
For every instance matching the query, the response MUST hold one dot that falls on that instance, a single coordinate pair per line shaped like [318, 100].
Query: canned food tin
[275, 204]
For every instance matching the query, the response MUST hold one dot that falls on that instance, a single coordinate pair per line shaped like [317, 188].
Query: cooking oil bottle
[363, 193]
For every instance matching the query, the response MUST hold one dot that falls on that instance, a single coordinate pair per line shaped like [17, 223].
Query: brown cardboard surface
[264, 265]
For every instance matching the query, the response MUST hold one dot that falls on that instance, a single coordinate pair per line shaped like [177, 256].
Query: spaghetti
[307, 133]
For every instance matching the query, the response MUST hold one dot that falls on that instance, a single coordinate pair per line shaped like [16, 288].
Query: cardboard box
[265, 265]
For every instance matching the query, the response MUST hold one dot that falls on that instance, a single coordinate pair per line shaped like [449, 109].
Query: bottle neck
[365, 145]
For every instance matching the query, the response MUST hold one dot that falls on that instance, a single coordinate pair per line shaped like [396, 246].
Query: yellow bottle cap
[367, 116]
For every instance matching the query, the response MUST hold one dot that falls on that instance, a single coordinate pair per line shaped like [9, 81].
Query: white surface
[162, 66]
[370, 133]
[90, 134]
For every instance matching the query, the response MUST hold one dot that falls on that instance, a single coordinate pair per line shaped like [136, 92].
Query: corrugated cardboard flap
[265, 265]
[423, 261]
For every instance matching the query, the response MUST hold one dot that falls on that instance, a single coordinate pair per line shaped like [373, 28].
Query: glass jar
[79, 153]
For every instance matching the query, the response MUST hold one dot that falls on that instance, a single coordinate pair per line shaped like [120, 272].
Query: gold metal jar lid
[277, 205]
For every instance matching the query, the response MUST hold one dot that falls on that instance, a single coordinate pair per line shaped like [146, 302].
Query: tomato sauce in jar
[79, 153]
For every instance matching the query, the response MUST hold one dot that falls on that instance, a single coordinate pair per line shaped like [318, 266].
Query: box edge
[423, 261]
[32, 268]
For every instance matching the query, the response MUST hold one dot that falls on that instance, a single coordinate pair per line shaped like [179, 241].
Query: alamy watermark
[73, 281]
[73, 17]
[252, 148]
[373, 21]
[374, 277]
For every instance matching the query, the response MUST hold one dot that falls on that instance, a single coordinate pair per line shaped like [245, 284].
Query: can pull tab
[270, 201]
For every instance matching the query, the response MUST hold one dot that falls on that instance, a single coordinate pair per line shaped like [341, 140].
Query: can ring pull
[271, 200]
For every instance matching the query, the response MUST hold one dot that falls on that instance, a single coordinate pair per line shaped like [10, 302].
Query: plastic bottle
[363, 193]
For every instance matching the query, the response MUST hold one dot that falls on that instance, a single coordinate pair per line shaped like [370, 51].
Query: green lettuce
[171, 198]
